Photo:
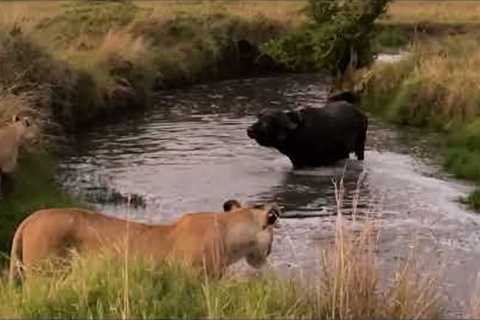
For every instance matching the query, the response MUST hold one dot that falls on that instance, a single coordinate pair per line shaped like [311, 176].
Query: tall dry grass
[350, 273]
[413, 12]
[405, 12]
[287, 12]
[437, 81]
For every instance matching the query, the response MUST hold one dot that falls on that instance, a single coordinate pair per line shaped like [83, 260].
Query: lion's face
[267, 219]
[26, 129]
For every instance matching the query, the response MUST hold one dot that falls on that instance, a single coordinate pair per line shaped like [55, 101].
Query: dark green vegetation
[390, 38]
[338, 35]
[32, 188]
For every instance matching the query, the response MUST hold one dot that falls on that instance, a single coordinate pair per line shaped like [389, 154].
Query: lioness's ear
[294, 119]
[272, 216]
[15, 118]
[231, 205]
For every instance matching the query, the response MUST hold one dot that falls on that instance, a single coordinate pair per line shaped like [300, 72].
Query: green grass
[345, 286]
[390, 38]
[463, 158]
[33, 188]
[99, 288]
[473, 200]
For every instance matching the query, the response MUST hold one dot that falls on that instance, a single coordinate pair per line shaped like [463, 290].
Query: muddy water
[191, 153]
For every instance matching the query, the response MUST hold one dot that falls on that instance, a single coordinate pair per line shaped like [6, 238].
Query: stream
[191, 153]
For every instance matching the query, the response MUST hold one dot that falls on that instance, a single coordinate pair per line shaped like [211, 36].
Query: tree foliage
[338, 36]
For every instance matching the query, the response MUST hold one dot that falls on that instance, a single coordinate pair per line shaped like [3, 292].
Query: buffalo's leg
[360, 145]
[1, 184]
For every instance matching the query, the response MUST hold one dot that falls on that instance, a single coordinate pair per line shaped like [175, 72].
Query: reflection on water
[191, 153]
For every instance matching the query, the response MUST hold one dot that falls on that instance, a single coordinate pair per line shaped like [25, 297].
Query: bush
[338, 36]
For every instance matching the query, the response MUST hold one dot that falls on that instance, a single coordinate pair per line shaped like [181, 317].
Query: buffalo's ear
[295, 119]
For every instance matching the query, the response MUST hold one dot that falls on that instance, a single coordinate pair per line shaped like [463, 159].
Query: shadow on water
[311, 193]
[191, 153]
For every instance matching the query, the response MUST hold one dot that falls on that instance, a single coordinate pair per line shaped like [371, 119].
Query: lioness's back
[55, 231]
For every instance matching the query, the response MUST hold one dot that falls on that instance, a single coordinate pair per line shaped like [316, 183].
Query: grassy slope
[119, 53]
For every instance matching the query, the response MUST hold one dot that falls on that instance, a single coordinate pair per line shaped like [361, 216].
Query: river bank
[435, 86]
[101, 58]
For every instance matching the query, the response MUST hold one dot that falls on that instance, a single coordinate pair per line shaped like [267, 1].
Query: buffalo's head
[273, 127]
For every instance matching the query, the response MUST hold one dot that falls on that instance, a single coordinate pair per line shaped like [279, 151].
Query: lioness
[209, 240]
[11, 137]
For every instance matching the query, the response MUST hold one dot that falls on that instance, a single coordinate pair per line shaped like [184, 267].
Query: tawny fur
[206, 240]
[11, 138]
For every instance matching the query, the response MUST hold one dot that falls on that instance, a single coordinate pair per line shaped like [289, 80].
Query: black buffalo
[347, 96]
[313, 136]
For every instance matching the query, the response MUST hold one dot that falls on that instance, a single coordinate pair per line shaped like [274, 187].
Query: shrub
[338, 36]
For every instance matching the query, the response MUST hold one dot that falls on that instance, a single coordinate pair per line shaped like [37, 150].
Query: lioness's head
[266, 218]
[25, 128]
